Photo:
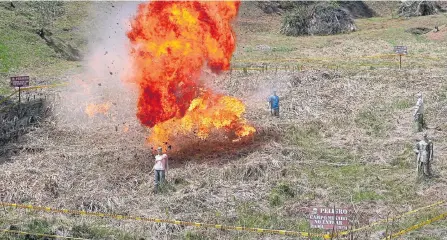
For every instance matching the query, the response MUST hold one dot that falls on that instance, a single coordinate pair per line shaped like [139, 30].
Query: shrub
[417, 8]
[319, 19]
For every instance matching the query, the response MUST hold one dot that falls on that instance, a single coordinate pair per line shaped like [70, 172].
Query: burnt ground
[18, 120]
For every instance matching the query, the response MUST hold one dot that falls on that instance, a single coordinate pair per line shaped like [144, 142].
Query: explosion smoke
[171, 43]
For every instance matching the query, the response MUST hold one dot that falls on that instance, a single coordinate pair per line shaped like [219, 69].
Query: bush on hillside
[280, 6]
[319, 19]
[357, 9]
[417, 8]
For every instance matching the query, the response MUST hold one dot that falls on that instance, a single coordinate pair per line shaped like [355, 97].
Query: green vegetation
[249, 215]
[401, 104]
[194, 236]
[309, 140]
[279, 193]
[23, 51]
[39, 226]
[306, 136]
[6, 59]
[97, 232]
[402, 160]
[87, 231]
[373, 120]
[442, 94]
[364, 196]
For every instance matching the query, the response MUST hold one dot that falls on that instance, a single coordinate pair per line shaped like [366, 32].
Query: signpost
[329, 218]
[400, 50]
[20, 81]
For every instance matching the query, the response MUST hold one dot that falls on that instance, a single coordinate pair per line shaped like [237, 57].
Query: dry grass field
[344, 138]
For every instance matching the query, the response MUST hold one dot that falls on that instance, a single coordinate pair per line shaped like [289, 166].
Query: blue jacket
[274, 101]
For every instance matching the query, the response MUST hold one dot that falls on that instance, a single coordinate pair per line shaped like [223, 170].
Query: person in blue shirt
[274, 104]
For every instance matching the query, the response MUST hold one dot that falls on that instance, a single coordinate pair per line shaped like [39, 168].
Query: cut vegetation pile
[417, 8]
[319, 19]
[16, 121]
[418, 31]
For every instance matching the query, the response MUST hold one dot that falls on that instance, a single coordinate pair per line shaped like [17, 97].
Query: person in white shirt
[160, 168]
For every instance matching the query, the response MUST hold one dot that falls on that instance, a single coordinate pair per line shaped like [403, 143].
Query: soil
[439, 35]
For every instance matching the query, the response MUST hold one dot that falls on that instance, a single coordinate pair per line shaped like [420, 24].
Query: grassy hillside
[24, 52]
[344, 138]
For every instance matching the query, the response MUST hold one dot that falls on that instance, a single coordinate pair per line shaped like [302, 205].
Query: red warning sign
[329, 218]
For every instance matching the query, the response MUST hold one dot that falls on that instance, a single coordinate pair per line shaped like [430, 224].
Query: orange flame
[93, 109]
[171, 42]
[125, 128]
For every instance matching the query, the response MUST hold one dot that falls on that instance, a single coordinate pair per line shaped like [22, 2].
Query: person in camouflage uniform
[419, 113]
[424, 155]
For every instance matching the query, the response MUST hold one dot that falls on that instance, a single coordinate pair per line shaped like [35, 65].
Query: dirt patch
[438, 35]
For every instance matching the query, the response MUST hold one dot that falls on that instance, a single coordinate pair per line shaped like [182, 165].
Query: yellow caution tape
[417, 226]
[390, 219]
[38, 234]
[30, 88]
[44, 86]
[156, 220]
[8, 97]
[206, 225]
[259, 230]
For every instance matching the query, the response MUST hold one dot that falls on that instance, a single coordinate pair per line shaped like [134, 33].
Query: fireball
[171, 43]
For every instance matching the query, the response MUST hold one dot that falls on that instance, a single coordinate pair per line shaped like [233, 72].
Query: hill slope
[344, 137]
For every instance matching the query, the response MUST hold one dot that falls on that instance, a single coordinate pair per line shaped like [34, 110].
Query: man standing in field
[419, 113]
[274, 104]
[424, 155]
[160, 168]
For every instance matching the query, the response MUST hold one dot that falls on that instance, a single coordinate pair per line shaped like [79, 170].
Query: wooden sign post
[400, 50]
[20, 81]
